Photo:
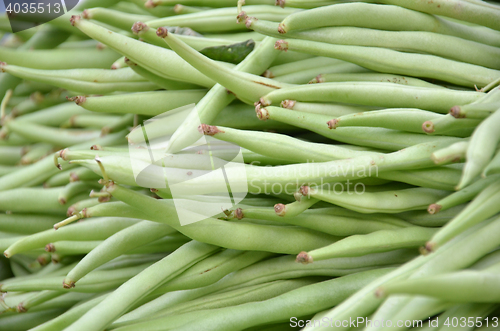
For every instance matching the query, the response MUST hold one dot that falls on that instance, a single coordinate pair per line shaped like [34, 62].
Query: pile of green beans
[251, 165]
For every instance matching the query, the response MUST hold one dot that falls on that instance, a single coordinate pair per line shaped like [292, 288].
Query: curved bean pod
[482, 146]
[330, 109]
[375, 94]
[453, 153]
[475, 110]
[375, 242]
[115, 18]
[97, 229]
[493, 167]
[394, 62]
[373, 77]
[117, 244]
[385, 17]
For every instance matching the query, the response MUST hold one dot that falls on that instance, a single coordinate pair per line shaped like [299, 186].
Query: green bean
[104, 313]
[213, 229]
[144, 103]
[472, 310]
[218, 265]
[416, 41]
[373, 77]
[394, 62]
[37, 299]
[5, 170]
[449, 125]
[38, 101]
[493, 167]
[385, 17]
[26, 223]
[60, 58]
[171, 67]
[290, 68]
[11, 154]
[440, 178]
[253, 293]
[28, 87]
[97, 229]
[382, 138]
[20, 322]
[327, 221]
[331, 110]
[125, 240]
[387, 118]
[97, 281]
[472, 12]
[97, 121]
[306, 76]
[363, 244]
[217, 98]
[482, 207]
[375, 94]
[482, 147]
[387, 201]
[364, 302]
[282, 146]
[246, 87]
[475, 110]
[114, 17]
[453, 153]
[283, 306]
[464, 195]
[38, 152]
[53, 116]
[295, 208]
[222, 19]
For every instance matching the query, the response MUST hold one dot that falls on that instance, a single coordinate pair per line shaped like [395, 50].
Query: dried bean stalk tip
[288, 104]
[68, 285]
[262, 113]
[139, 26]
[75, 19]
[455, 112]
[86, 14]
[304, 258]
[281, 45]
[2, 66]
[20, 308]
[434, 208]
[209, 130]
[150, 4]
[162, 32]
[280, 209]
[280, 3]
[428, 127]
[242, 17]
[238, 213]
[332, 124]
[50, 248]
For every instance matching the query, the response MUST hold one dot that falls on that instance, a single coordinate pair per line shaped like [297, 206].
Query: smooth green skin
[5, 170]
[39, 298]
[92, 121]
[171, 67]
[143, 103]
[246, 87]
[393, 62]
[392, 18]
[96, 229]
[331, 224]
[254, 293]
[484, 205]
[279, 268]
[479, 110]
[165, 83]
[74, 189]
[449, 125]
[290, 68]
[463, 286]
[218, 265]
[65, 319]
[493, 167]
[312, 299]
[38, 152]
[376, 242]
[388, 139]
[473, 12]
[466, 194]
[120, 243]
[115, 18]
[482, 147]
[332, 110]
[373, 77]
[453, 153]
[37, 102]
[80, 86]
[298, 207]
[217, 98]
[21, 322]
[98, 281]
[310, 75]
[454, 255]
[385, 95]
[285, 147]
[34, 200]
[396, 201]
[222, 19]
[60, 58]
[11, 155]
[389, 119]
[450, 47]
[117, 303]
[53, 116]
[226, 234]
[440, 178]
